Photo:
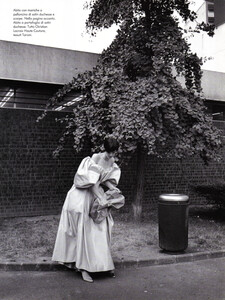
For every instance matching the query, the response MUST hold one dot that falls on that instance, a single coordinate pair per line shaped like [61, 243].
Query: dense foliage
[133, 93]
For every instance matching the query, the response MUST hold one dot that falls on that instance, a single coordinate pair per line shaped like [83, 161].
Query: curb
[119, 264]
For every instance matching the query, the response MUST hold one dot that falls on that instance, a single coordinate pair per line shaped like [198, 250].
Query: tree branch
[145, 5]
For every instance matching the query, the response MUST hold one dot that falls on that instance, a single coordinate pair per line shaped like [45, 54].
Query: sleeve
[88, 174]
[114, 175]
[115, 198]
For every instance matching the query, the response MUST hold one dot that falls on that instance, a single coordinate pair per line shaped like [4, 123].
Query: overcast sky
[68, 29]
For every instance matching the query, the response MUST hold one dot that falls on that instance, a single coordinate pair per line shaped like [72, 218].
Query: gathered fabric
[99, 211]
[80, 241]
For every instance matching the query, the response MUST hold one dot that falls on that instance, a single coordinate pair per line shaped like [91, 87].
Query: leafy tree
[133, 92]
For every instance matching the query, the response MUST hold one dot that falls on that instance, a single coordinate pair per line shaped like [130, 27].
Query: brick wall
[167, 176]
[33, 183]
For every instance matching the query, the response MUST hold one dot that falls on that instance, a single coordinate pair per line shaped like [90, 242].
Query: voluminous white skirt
[79, 239]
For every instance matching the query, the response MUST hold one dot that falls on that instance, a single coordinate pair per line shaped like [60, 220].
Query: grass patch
[32, 238]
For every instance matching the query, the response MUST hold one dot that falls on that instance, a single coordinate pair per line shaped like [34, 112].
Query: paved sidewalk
[199, 280]
[156, 257]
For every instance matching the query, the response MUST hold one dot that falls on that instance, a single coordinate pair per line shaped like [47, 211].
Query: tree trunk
[139, 187]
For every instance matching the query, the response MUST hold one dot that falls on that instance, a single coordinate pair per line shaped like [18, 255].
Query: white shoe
[86, 276]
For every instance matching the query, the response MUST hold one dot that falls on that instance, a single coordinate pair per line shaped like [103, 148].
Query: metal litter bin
[173, 222]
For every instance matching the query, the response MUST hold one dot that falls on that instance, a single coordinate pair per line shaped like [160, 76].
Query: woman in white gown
[81, 243]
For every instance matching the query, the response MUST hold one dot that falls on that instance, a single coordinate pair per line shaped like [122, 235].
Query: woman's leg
[112, 274]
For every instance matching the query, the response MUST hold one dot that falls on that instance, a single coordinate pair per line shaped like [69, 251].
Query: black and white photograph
[112, 149]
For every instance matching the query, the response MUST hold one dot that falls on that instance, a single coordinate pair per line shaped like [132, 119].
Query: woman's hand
[116, 189]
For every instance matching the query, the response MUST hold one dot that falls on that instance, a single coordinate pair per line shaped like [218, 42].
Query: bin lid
[173, 197]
